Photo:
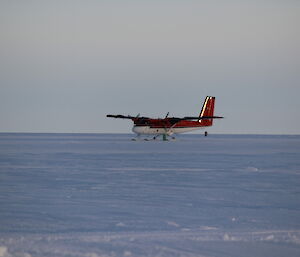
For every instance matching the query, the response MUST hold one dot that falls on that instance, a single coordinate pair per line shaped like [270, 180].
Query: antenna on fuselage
[167, 115]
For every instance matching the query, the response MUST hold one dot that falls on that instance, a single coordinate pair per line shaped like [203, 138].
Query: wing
[120, 116]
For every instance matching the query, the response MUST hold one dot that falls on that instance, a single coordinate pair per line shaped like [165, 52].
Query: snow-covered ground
[104, 195]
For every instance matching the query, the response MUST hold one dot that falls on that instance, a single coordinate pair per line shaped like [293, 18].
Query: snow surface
[97, 195]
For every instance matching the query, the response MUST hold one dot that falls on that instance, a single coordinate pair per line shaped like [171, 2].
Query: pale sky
[64, 65]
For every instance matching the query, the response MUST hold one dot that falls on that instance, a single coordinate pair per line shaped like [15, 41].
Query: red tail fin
[207, 110]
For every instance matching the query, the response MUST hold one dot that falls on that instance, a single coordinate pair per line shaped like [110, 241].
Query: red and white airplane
[173, 125]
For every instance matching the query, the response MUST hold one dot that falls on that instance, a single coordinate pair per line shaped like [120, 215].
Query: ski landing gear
[164, 137]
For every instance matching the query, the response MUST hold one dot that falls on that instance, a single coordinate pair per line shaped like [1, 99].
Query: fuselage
[167, 126]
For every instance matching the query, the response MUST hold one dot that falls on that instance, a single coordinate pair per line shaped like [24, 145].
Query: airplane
[172, 125]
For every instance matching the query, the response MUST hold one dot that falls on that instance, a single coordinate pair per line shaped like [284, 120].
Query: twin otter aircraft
[173, 125]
